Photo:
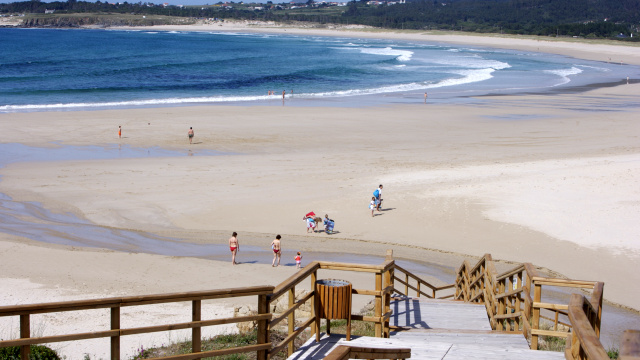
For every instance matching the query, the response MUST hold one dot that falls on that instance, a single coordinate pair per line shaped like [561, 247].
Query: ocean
[69, 69]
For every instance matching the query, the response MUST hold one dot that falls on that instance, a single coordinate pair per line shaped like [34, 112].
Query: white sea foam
[401, 55]
[473, 62]
[564, 74]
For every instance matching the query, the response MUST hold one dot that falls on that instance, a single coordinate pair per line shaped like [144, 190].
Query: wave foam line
[468, 76]
[564, 74]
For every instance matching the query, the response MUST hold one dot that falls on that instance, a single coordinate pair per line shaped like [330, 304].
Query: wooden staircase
[437, 329]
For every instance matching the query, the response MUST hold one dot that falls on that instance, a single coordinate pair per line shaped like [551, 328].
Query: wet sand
[551, 180]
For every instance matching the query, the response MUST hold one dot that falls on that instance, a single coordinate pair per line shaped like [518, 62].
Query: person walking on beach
[275, 246]
[190, 134]
[298, 259]
[234, 246]
[120, 131]
[425, 98]
[377, 194]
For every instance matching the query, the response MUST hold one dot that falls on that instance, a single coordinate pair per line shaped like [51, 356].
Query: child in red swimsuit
[298, 259]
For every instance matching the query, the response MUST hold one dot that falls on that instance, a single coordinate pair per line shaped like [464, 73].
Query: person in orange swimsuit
[120, 131]
[275, 246]
[234, 246]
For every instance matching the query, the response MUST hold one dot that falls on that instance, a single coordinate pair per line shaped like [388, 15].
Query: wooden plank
[378, 306]
[562, 334]
[339, 353]
[25, 333]
[351, 268]
[59, 338]
[115, 340]
[541, 305]
[263, 332]
[365, 292]
[196, 332]
[193, 324]
[291, 321]
[583, 333]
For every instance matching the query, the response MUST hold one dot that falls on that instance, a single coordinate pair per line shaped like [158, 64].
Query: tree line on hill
[586, 18]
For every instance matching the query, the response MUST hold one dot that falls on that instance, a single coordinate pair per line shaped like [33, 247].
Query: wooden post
[196, 332]
[315, 328]
[387, 301]
[406, 285]
[115, 340]
[501, 304]
[378, 305]
[25, 333]
[291, 319]
[518, 297]
[263, 331]
[535, 322]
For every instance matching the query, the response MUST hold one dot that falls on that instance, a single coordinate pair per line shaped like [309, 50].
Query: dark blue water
[68, 69]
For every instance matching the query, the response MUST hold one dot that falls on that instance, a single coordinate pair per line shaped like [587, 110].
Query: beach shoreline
[596, 50]
[546, 179]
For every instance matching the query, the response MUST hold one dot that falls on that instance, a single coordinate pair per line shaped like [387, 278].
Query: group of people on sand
[313, 222]
[276, 247]
[376, 200]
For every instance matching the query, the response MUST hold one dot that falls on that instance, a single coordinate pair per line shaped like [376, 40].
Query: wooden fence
[382, 288]
[513, 301]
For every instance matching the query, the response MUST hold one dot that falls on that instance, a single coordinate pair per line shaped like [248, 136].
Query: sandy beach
[547, 179]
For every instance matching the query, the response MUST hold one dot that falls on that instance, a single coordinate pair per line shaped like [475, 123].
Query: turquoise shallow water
[54, 69]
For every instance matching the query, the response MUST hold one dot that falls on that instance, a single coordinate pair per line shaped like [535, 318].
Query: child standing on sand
[372, 205]
[298, 259]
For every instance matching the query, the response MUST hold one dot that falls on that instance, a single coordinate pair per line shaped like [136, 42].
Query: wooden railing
[513, 299]
[584, 342]
[383, 288]
[410, 279]
[266, 295]
[116, 331]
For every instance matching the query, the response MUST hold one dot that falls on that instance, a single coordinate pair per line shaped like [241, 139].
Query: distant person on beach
[190, 134]
[234, 246]
[328, 224]
[377, 194]
[311, 223]
[120, 131]
[283, 94]
[298, 259]
[275, 246]
[372, 205]
[425, 98]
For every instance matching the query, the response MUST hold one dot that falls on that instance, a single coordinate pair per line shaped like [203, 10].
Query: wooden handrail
[294, 280]
[585, 344]
[91, 304]
[506, 307]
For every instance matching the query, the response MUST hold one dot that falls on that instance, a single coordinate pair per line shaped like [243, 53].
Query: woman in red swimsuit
[234, 246]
